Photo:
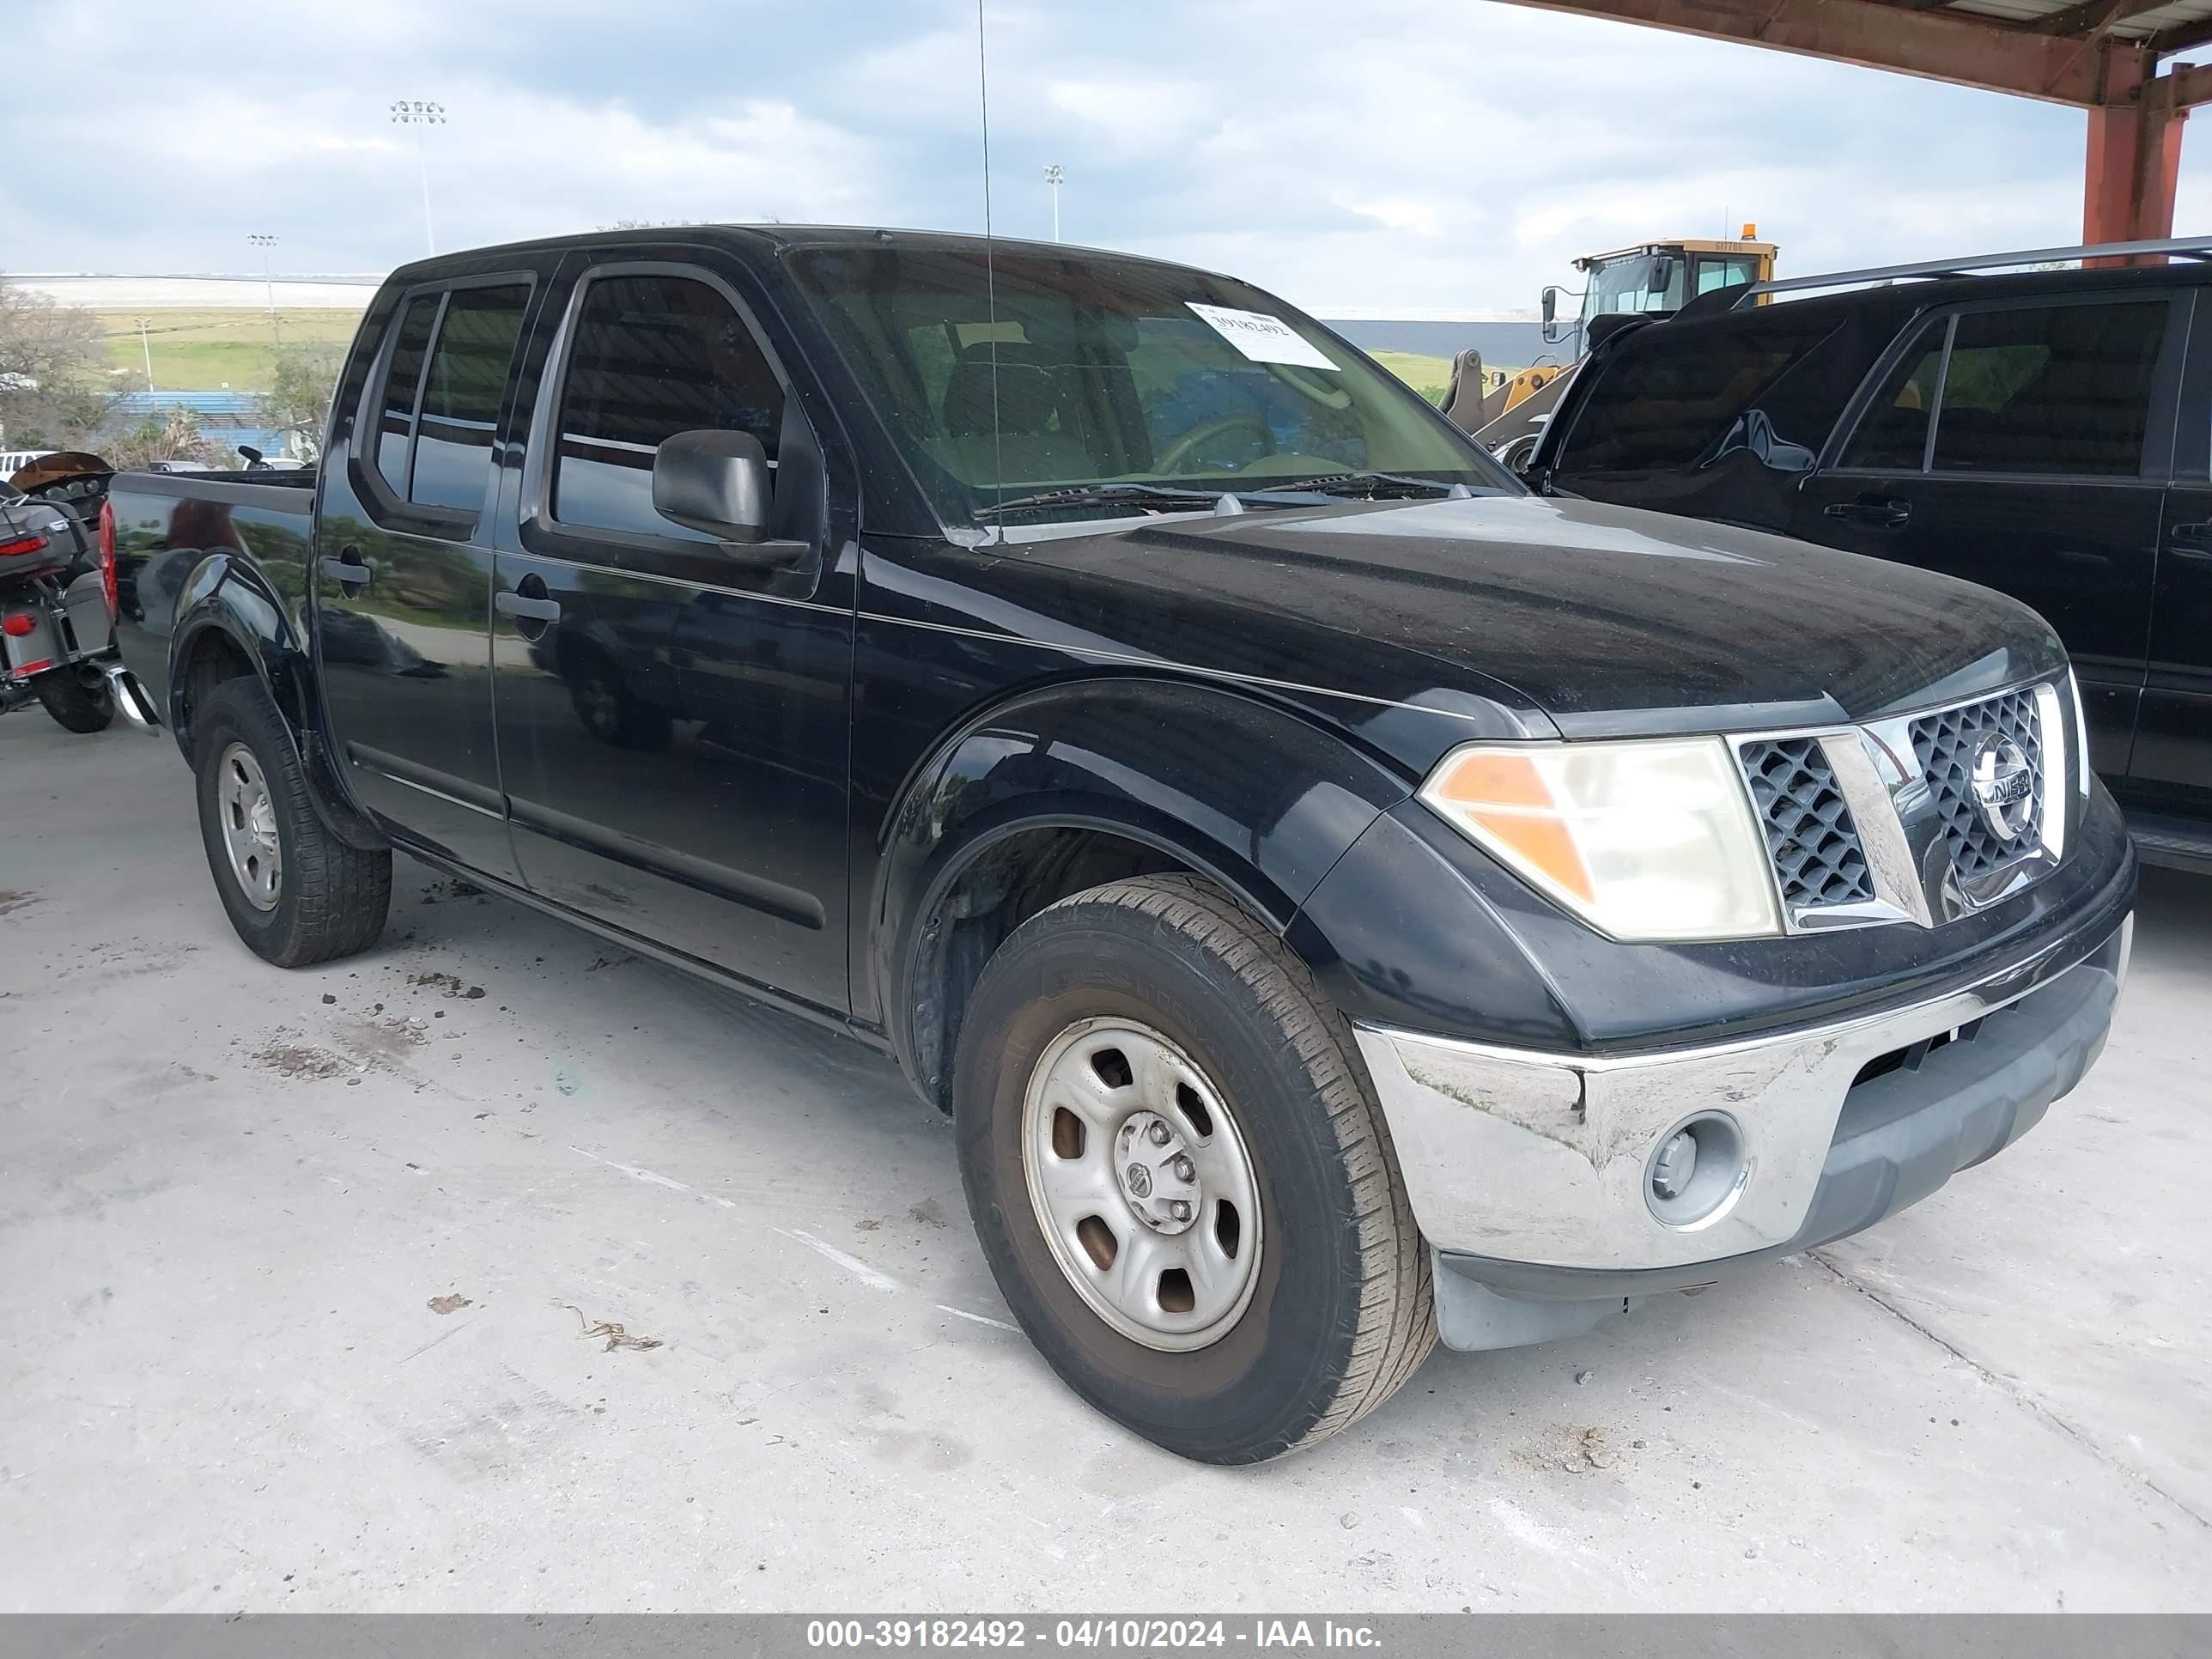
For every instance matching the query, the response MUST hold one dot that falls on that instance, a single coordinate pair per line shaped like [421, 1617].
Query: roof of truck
[777, 237]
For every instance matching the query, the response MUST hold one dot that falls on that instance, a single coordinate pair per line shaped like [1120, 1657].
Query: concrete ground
[308, 1282]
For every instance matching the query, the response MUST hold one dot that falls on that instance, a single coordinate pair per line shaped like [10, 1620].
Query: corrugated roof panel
[2137, 27]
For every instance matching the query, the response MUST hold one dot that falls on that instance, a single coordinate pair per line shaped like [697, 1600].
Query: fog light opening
[1697, 1171]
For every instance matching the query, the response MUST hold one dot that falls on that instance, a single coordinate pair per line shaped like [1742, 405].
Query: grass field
[1427, 375]
[207, 350]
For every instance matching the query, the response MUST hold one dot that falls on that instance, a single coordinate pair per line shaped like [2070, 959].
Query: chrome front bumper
[1541, 1161]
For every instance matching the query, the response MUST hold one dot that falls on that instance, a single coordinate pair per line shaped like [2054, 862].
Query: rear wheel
[296, 894]
[1180, 1177]
[75, 706]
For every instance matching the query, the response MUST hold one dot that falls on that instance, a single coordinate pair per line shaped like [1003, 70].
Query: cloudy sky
[1446, 154]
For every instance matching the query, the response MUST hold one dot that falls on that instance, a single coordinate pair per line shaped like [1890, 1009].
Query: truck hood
[1594, 620]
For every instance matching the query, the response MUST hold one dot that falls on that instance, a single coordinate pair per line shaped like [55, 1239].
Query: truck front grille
[1946, 743]
[1818, 859]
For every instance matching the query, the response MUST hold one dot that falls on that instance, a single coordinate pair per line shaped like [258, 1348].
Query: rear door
[672, 713]
[2171, 767]
[402, 579]
[2025, 446]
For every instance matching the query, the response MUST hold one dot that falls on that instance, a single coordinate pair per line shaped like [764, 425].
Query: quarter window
[1893, 435]
[653, 357]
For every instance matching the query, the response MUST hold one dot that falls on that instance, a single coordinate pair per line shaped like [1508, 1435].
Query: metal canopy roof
[2170, 28]
[2101, 56]
[2089, 53]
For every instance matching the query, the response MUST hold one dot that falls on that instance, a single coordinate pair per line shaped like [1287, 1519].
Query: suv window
[2055, 389]
[2050, 389]
[1893, 435]
[653, 356]
[444, 458]
[1667, 406]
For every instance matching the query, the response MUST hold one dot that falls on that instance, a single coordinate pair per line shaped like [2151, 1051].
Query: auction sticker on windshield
[1263, 338]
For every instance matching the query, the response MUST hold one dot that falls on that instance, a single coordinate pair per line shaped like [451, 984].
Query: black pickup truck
[1342, 899]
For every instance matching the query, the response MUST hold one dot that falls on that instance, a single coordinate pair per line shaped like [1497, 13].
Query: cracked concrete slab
[280, 1340]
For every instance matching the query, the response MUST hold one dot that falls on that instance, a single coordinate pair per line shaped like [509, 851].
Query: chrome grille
[1945, 743]
[1819, 861]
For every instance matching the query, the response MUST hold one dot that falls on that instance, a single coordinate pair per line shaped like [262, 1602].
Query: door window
[2050, 389]
[1893, 435]
[653, 356]
[443, 456]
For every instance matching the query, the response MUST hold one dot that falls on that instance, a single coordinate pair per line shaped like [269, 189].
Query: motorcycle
[57, 598]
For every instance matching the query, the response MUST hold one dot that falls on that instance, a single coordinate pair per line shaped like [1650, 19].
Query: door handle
[2190, 540]
[347, 571]
[528, 609]
[1889, 514]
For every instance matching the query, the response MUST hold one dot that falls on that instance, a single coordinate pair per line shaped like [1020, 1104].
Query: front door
[2025, 447]
[672, 712]
[402, 581]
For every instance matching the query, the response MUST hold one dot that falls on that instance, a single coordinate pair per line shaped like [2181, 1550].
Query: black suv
[2044, 433]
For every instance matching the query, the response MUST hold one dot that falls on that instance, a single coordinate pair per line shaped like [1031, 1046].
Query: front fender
[1260, 800]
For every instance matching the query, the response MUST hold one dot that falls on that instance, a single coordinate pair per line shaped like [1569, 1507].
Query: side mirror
[1552, 332]
[1662, 275]
[714, 482]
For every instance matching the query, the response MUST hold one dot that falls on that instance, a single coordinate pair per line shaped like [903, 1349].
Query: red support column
[2133, 153]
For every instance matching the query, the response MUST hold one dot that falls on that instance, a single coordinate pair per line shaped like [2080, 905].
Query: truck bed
[169, 523]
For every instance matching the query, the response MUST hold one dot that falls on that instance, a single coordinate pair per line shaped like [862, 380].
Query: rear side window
[653, 357]
[440, 404]
[395, 424]
[2051, 389]
[1670, 401]
[467, 378]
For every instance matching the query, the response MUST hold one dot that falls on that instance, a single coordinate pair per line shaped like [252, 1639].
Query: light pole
[263, 240]
[419, 113]
[146, 346]
[1053, 176]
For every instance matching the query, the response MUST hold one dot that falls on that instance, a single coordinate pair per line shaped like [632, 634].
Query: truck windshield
[1088, 386]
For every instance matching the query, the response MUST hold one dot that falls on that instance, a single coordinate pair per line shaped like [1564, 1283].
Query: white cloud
[1404, 153]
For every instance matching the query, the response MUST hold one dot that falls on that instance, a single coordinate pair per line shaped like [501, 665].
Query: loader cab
[1654, 279]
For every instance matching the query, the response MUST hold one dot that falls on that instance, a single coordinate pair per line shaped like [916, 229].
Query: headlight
[1643, 840]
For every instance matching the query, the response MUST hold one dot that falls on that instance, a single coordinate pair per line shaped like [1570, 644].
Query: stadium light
[1053, 176]
[419, 113]
[264, 241]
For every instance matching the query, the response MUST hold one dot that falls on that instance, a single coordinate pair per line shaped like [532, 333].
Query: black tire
[333, 898]
[75, 706]
[1343, 1311]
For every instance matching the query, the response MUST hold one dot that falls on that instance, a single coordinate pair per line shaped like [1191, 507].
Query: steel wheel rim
[249, 827]
[1122, 1083]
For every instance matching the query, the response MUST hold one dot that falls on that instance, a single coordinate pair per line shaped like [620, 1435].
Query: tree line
[58, 390]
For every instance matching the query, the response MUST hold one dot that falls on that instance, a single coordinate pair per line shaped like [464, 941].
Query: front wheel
[75, 706]
[296, 894]
[1180, 1176]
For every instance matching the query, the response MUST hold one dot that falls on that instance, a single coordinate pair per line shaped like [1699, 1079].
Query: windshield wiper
[1371, 486]
[1098, 495]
